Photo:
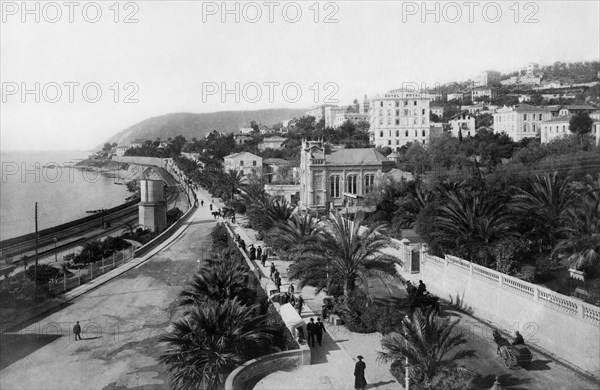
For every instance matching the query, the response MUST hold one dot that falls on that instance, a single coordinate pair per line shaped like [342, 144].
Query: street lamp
[55, 254]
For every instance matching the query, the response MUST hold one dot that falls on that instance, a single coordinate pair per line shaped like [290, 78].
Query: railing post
[79, 277]
[536, 294]
[501, 280]
[64, 281]
[91, 271]
[103, 269]
[114, 260]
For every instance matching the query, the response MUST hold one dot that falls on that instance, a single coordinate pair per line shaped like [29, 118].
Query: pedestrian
[233, 218]
[264, 259]
[278, 284]
[421, 289]
[273, 269]
[310, 327]
[259, 252]
[291, 289]
[77, 331]
[238, 239]
[243, 245]
[518, 339]
[359, 374]
[300, 304]
[319, 330]
[202, 203]
[252, 252]
[276, 275]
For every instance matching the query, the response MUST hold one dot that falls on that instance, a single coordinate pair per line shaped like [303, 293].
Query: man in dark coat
[299, 304]
[264, 259]
[421, 289]
[243, 245]
[77, 331]
[259, 252]
[359, 374]
[252, 252]
[310, 328]
[518, 339]
[319, 330]
[273, 269]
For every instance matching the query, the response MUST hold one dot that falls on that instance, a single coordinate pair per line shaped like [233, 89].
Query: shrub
[220, 237]
[45, 273]
[173, 215]
[528, 273]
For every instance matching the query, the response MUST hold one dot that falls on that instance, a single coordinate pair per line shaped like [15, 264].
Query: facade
[319, 111]
[455, 96]
[531, 69]
[278, 170]
[522, 121]
[559, 127]
[241, 139]
[353, 117]
[120, 150]
[364, 106]
[245, 162]
[487, 78]
[483, 92]
[246, 130]
[339, 179]
[271, 143]
[464, 123]
[437, 110]
[399, 117]
[330, 112]
[574, 109]
[137, 143]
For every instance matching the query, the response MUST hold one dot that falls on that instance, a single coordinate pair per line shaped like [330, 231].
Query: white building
[463, 123]
[271, 143]
[437, 110]
[245, 162]
[455, 96]
[482, 92]
[560, 127]
[522, 121]
[487, 78]
[120, 150]
[399, 117]
[319, 111]
[353, 117]
[330, 113]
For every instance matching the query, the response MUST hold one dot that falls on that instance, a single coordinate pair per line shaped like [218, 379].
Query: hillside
[197, 125]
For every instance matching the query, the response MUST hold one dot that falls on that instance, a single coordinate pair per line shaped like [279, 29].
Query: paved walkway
[333, 363]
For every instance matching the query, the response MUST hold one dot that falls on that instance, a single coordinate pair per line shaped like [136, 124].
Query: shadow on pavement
[319, 353]
[539, 365]
[507, 380]
[14, 347]
[377, 384]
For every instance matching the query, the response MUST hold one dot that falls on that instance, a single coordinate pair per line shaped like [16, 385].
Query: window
[254, 163]
[406, 112]
[423, 112]
[334, 186]
[405, 103]
[397, 103]
[397, 133]
[406, 133]
[423, 132]
[397, 122]
[369, 182]
[524, 117]
[389, 142]
[318, 180]
[241, 163]
[416, 134]
[381, 103]
[351, 183]
[415, 103]
[397, 112]
[381, 133]
[397, 142]
[540, 116]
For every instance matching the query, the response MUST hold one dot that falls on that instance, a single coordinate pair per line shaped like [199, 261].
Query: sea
[63, 193]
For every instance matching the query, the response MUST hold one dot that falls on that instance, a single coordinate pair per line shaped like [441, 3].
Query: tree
[230, 183]
[346, 253]
[544, 205]
[431, 346]
[581, 124]
[217, 281]
[210, 341]
[469, 221]
[300, 231]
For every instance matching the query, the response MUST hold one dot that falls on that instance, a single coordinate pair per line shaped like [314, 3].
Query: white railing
[458, 262]
[485, 273]
[558, 301]
[435, 260]
[518, 286]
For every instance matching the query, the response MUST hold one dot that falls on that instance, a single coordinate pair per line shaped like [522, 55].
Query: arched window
[334, 186]
[369, 182]
[351, 184]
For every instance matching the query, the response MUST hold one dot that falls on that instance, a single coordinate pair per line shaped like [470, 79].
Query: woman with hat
[359, 374]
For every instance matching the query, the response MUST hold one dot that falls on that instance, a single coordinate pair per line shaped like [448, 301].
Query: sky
[84, 71]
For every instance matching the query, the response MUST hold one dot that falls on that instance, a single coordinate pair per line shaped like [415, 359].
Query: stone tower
[152, 208]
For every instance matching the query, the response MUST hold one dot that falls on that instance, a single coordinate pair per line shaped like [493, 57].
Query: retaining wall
[563, 326]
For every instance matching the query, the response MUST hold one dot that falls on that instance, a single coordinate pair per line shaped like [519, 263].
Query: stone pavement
[333, 363]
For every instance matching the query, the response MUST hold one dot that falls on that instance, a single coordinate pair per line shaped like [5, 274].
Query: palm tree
[581, 247]
[218, 281]
[430, 344]
[300, 231]
[545, 203]
[210, 341]
[410, 206]
[230, 183]
[469, 221]
[346, 252]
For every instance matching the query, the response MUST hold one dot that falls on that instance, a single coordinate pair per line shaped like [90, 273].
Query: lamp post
[55, 254]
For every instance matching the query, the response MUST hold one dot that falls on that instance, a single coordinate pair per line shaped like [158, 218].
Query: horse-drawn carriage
[514, 356]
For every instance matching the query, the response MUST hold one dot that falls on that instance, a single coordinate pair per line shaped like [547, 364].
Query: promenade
[333, 363]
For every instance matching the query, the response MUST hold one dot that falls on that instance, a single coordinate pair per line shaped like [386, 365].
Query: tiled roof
[361, 156]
